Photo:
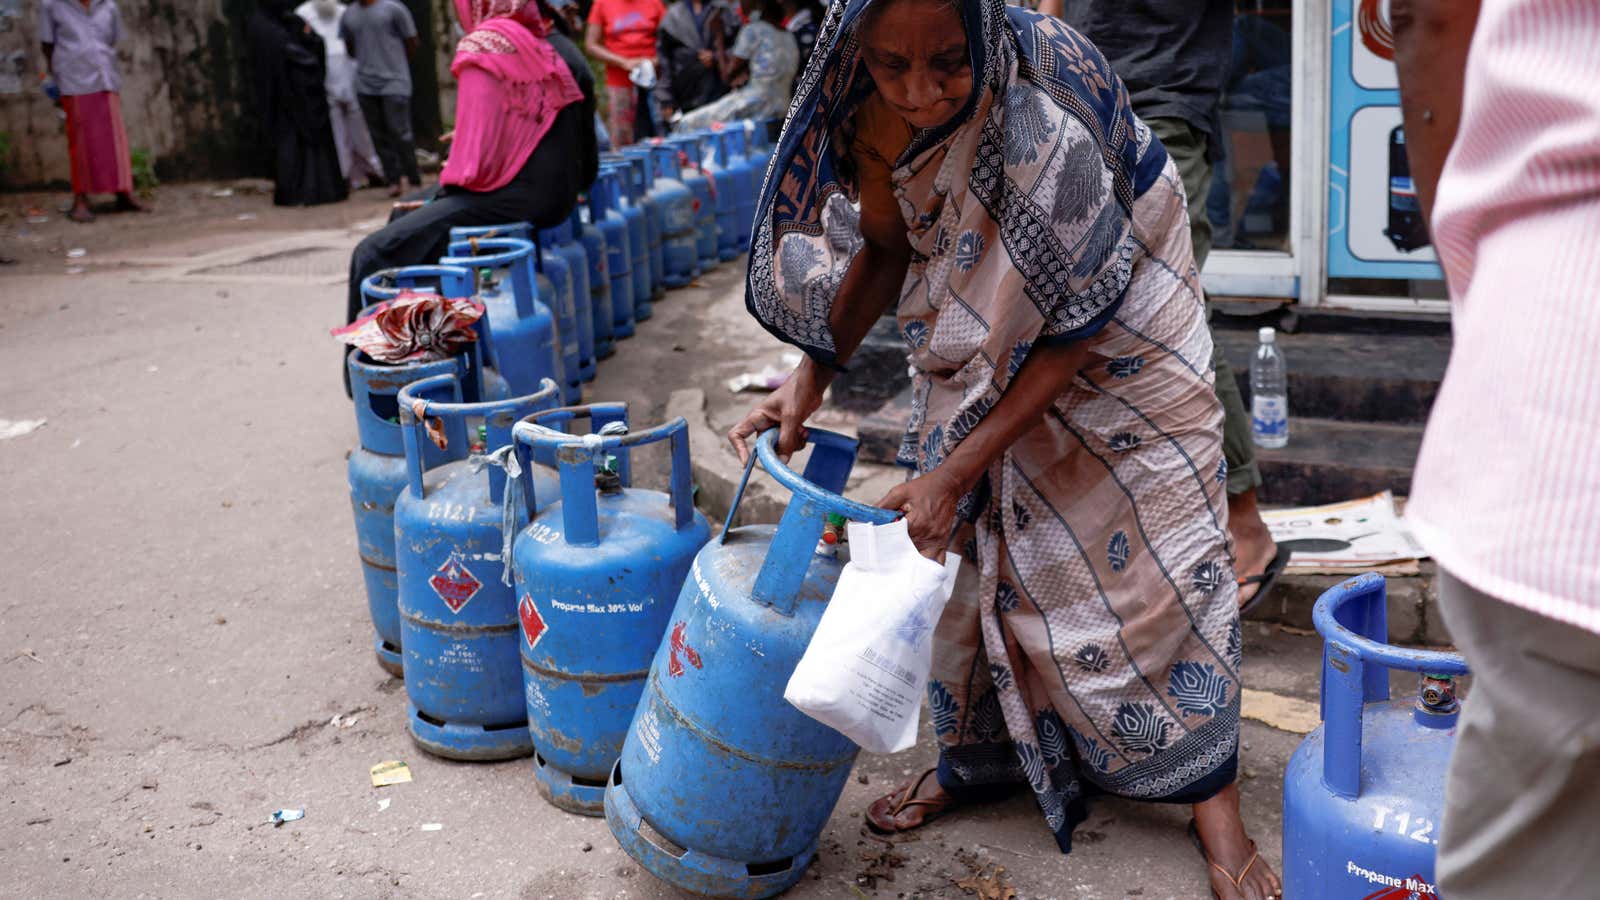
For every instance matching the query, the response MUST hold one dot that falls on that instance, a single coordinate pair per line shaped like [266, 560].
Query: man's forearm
[1431, 40]
[1044, 375]
[1051, 7]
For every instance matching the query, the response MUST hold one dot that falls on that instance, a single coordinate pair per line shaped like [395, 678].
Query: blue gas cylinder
[727, 187]
[712, 733]
[639, 194]
[525, 334]
[587, 239]
[680, 236]
[552, 282]
[731, 153]
[759, 149]
[521, 230]
[458, 614]
[605, 211]
[448, 281]
[1364, 793]
[575, 249]
[655, 216]
[553, 268]
[597, 575]
[600, 301]
[560, 244]
[377, 471]
[705, 196]
[547, 289]
[633, 219]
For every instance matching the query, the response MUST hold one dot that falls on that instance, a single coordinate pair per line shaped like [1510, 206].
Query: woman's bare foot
[126, 203]
[1237, 872]
[1253, 548]
[911, 805]
[81, 212]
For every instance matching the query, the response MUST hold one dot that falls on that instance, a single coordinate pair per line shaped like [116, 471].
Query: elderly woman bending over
[1064, 432]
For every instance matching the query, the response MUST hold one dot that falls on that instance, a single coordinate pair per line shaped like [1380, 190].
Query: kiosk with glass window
[1312, 200]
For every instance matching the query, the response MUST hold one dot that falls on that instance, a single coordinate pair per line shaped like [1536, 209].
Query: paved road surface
[185, 615]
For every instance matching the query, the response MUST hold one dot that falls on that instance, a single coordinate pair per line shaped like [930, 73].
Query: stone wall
[185, 91]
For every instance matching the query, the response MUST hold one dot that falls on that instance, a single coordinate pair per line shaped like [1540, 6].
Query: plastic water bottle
[1269, 394]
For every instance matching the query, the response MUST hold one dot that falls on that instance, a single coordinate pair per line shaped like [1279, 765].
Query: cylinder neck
[1437, 706]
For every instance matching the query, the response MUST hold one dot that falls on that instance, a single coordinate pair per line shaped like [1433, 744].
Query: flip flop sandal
[81, 215]
[1238, 882]
[1267, 578]
[935, 808]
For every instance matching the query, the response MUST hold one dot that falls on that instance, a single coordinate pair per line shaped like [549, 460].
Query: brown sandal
[1236, 881]
[881, 819]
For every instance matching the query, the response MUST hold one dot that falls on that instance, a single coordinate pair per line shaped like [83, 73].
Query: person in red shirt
[622, 34]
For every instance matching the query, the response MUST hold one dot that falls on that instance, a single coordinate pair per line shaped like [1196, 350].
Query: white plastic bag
[865, 671]
[644, 75]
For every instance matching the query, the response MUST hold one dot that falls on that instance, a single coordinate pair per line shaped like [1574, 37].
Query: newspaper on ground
[1346, 538]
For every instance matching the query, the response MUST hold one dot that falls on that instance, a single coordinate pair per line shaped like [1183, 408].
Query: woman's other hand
[788, 407]
[929, 505]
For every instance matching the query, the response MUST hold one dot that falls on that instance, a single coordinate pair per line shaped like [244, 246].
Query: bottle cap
[1269, 335]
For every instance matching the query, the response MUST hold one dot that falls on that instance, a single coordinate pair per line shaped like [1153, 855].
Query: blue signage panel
[1375, 226]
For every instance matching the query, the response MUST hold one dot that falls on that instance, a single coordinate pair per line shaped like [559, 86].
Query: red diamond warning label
[533, 626]
[454, 583]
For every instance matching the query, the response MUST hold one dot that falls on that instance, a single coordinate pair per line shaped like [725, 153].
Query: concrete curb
[1414, 616]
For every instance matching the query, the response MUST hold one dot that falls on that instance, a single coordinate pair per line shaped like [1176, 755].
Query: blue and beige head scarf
[1024, 198]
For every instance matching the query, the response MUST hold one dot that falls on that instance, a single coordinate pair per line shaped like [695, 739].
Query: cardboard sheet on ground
[1289, 714]
[390, 771]
[1344, 538]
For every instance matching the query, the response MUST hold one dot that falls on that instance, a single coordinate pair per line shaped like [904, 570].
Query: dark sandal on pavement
[1238, 882]
[1267, 578]
[935, 808]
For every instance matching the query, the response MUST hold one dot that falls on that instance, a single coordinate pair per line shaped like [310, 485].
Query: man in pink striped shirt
[1502, 116]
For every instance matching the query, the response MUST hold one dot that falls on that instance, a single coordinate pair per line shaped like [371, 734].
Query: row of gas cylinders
[537, 603]
[658, 215]
[548, 607]
[557, 301]
[545, 606]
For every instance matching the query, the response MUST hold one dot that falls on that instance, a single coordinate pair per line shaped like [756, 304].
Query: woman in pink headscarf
[524, 143]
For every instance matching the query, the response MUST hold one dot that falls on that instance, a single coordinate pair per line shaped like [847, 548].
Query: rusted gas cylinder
[376, 468]
[723, 788]
[458, 617]
[597, 574]
[1364, 793]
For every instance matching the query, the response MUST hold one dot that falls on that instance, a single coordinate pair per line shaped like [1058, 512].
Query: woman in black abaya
[288, 65]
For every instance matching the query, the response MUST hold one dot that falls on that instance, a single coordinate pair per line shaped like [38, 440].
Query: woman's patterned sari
[1094, 644]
